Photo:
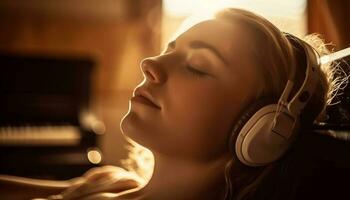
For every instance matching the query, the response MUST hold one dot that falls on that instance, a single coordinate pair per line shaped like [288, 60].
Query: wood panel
[118, 39]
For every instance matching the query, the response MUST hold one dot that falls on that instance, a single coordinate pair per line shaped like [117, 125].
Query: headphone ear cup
[244, 118]
[259, 140]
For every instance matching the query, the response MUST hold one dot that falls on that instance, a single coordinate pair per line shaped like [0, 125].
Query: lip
[144, 97]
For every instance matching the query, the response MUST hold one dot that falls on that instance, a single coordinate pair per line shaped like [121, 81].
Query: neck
[184, 180]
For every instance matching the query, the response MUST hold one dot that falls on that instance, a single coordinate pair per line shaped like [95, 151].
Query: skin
[200, 91]
[197, 110]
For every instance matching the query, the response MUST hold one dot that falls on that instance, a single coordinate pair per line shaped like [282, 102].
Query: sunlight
[289, 15]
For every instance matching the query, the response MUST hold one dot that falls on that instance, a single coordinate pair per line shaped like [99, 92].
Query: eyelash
[194, 71]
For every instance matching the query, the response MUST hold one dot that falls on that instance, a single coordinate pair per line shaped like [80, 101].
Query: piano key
[40, 135]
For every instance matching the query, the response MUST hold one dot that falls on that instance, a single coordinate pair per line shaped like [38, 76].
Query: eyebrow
[197, 44]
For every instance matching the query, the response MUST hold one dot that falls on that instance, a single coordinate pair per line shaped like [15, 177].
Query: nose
[152, 71]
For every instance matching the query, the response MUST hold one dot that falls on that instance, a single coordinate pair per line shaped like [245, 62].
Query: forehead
[227, 37]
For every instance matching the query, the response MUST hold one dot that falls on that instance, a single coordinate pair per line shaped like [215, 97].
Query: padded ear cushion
[258, 141]
[248, 112]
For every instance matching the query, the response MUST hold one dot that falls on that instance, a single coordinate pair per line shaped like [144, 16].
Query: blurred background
[68, 68]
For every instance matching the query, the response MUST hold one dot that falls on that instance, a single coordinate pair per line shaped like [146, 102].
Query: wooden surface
[117, 39]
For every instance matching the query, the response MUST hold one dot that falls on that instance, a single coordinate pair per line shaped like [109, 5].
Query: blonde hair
[140, 161]
[279, 59]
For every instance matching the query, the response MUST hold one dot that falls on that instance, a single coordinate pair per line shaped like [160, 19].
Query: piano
[46, 127]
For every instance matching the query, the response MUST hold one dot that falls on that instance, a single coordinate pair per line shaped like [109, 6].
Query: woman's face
[200, 82]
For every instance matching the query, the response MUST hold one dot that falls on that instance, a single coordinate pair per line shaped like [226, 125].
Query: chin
[132, 129]
[126, 125]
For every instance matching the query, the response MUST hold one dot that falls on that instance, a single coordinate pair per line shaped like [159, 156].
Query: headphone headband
[301, 97]
[299, 101]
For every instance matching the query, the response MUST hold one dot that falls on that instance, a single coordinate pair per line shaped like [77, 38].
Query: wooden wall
[331, 19]
[116, 33]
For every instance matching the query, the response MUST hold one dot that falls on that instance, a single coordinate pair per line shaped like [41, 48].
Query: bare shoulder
[15, 187]
[126, 195]
[105, 179]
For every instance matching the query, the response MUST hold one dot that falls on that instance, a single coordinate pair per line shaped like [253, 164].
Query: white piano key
[40, 135]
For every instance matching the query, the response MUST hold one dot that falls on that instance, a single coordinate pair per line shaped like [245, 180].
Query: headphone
[268, 131]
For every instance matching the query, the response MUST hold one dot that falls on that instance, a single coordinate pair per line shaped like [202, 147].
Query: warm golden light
[280, 8]
[288, 15]
[94, 155]
[335, 56]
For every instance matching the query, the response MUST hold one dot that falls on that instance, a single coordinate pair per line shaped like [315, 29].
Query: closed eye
[195, 71]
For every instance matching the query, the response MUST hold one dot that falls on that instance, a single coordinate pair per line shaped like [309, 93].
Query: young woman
[194, 100]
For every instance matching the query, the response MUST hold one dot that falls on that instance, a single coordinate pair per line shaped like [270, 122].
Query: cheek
[199, 116]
